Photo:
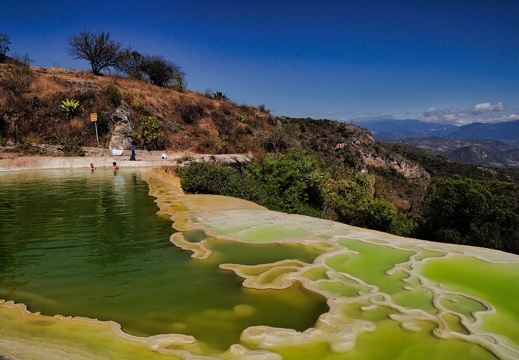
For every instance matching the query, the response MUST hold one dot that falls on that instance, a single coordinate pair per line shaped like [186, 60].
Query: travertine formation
[379, 296]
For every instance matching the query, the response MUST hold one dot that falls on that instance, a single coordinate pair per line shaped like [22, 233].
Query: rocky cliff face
[396, 162]
[123, 128]
[350, 144]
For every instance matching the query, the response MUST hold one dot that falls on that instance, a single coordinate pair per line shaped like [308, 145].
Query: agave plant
[219, 96]
[70, 107]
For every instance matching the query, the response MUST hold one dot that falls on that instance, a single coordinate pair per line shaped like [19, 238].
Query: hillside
[188, 121]
[320, 168]
[182, 121]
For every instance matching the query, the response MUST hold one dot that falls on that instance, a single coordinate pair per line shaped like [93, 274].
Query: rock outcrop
[123, 128]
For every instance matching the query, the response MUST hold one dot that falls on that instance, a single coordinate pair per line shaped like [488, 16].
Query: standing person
[115, 166]
[132, 157]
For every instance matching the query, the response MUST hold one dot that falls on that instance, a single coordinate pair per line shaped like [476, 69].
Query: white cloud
[450, 116]
[487, 107]
[482, 112]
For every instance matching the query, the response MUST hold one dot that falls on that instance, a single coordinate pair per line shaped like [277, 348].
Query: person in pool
[115, 166]
[92, 167]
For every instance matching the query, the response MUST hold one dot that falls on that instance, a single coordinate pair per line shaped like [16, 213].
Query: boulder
[123, 128]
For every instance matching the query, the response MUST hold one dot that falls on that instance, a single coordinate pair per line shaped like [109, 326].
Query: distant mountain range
[477, 143]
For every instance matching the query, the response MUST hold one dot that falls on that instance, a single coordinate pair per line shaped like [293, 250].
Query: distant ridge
[401, 129]
[495, 145]
[507, 132]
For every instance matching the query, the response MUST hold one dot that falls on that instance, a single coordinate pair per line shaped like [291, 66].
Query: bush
[161, 72]
[225, 124]
[479, 213]
[291, 183]
[151, 137]
[188, 111]
[211, 178]
[130, 63]
[17, 77]
[4, 46]
[113, 95]
[71, 146]
[218, 95]
[277, 141]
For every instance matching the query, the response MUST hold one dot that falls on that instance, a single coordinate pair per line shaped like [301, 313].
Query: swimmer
[92, 167]
[115, 166]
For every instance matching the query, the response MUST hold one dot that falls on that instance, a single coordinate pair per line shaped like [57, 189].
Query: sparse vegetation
[225, 124]
[17, 78]
[189, 112]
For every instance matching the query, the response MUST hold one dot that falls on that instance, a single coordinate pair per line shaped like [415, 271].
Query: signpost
[93, 118]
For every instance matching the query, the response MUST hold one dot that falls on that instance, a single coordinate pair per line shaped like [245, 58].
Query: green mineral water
[172, 276]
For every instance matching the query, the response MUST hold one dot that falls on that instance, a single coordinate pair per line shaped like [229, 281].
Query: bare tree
[98, 49]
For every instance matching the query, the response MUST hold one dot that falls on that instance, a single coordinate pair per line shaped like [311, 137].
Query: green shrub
[138, 104]
[151, 136]
[222, 145]
[211, 178]
[478, 213]
[113, 95]
[291, 183]
[71, 146]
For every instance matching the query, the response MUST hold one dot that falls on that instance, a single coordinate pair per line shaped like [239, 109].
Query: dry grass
[44, 122]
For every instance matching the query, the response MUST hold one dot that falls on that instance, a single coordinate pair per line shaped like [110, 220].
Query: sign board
[93, 117]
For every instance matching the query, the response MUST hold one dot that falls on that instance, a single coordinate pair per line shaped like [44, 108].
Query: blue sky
[443, 61]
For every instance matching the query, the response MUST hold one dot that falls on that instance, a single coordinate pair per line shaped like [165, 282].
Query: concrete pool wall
[105, 159]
